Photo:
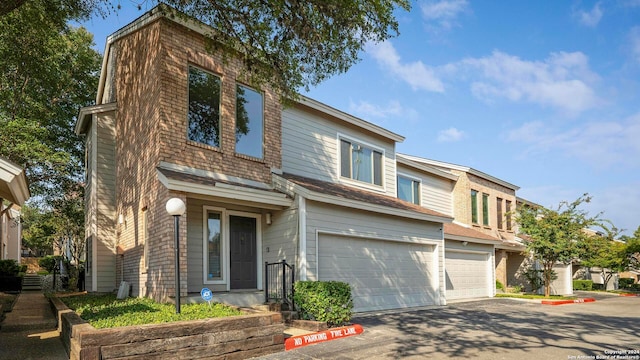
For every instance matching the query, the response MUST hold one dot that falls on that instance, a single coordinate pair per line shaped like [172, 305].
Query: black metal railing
[278, 284]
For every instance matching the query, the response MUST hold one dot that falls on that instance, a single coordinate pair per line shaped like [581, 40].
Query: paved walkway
[29, 330]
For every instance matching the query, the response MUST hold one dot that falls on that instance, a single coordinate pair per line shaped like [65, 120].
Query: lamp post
[175, 207]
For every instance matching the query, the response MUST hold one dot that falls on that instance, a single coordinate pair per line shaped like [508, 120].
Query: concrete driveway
[492, 329]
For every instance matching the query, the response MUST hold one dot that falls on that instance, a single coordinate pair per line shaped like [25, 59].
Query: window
[474, 206]
[204, 107]
[485, 209]
[409, 189]
[360, 163]
[214, 246]
[508, 209]
[499, 212]
[249, 122]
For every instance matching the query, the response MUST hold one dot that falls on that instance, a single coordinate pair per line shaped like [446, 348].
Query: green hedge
[582, 285]
[327, 301]
[9, 267]
[625, 283]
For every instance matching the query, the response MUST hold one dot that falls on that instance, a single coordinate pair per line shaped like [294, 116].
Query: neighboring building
[482, 206]
[14, 191]
[308, 184]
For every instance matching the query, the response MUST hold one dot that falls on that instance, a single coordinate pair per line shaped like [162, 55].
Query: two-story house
[307, 184]
[482, 207]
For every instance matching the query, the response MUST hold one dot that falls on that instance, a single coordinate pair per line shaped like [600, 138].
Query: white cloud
[443, 12]
[634, 42]
[561, 81]
[418, 75]
[393, 108]
[590, 18]
[450, 135]
[602, 144]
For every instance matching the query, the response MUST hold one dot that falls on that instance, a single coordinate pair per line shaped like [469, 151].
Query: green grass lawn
[105, 311]
[536, 296]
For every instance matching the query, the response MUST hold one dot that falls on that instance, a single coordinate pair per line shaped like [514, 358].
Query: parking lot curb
[295, 342]
[630, 295]
[564, 302]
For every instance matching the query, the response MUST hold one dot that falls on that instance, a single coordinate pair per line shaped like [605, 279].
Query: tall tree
[289, 45]
[48, 70]
[555, 235]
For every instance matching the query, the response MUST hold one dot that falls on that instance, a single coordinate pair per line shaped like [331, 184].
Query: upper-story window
[485, 209]
[508, 209]
[474, 206]
[499, 214]
[204, 107]
[359, 162]
[249, 122]
[409, 189]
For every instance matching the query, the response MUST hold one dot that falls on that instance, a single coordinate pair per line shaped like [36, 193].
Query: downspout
[302, 236]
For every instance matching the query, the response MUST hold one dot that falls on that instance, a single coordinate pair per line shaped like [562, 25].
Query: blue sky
[544, 95]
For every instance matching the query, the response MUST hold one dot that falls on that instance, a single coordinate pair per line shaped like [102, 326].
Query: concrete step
[31, 282]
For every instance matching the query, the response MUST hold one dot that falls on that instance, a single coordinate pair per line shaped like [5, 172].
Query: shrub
[327, 301]
[9, 267]
[49, 262]
[515, 289]
[625, 283]
[499, 285]
[635, 287]
[583, 285]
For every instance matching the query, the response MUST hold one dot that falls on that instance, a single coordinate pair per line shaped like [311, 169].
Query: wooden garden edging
[233, 337]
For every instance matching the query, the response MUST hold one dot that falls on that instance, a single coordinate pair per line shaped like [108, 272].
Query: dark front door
[243, 262]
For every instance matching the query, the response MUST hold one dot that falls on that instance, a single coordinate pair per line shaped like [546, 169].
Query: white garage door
[382, 274]
[466, 275]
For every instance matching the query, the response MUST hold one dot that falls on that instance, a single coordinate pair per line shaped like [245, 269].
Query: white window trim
[410, 177]
[224, 245]
[342, 179]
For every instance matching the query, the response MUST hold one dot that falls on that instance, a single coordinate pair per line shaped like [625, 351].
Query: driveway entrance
[491, 329]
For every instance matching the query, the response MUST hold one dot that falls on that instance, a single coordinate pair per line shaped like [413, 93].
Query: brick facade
[462, 203]
[151, 88]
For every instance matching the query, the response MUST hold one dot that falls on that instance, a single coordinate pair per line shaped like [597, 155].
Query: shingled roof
[351, 193]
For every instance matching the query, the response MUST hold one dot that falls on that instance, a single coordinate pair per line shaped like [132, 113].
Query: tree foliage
[555, 235]
[294, 44]
[288, 45]
[607, 254]
[49, 71]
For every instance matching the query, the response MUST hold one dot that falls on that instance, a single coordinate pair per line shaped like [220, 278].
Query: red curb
[295, 342]
[563, 302]
[628, 294]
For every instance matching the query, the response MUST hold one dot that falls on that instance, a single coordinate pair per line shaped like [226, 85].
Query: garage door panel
[382, 274]
[466, 275]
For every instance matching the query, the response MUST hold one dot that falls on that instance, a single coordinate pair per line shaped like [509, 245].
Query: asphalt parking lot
[492, 329]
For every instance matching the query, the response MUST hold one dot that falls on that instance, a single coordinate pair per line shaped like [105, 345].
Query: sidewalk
[29, 330]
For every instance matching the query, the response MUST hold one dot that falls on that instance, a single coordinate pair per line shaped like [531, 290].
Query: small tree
[554, 236]
[603, 252]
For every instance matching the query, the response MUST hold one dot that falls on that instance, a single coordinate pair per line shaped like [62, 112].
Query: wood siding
[105, 242]
[436, 192]
[310, 148]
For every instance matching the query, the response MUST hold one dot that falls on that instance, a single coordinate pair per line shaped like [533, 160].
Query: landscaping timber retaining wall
[234, 337]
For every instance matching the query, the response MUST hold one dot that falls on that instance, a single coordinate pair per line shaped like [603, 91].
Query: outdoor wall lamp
[175, 207]
[268, 218]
